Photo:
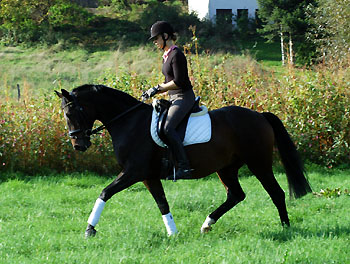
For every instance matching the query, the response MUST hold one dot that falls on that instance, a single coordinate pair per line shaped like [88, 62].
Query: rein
[98, 129]
[89, 132]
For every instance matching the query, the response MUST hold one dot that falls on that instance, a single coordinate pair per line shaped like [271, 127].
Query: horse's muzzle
[82, 148]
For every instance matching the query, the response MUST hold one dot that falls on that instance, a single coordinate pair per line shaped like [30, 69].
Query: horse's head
[79, 121]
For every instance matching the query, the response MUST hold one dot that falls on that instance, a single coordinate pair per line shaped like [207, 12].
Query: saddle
[194, 128]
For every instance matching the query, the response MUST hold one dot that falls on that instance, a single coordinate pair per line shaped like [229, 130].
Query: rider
[179, 88]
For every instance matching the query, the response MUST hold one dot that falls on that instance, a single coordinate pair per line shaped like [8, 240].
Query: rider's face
[158, 41]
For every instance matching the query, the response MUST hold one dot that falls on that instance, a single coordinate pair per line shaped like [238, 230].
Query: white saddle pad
[198, 128]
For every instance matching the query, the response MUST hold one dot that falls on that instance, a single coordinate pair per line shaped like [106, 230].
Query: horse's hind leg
[270, 184]
[235, 194]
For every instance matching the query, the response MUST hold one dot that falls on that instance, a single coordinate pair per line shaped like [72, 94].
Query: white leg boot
[169, 224]
[96, 212]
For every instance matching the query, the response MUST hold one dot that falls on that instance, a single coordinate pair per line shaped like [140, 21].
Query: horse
[240, 136]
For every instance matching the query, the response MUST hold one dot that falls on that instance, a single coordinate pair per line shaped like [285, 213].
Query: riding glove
[151, 92]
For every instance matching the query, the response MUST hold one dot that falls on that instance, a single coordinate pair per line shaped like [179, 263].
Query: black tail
[298, 184]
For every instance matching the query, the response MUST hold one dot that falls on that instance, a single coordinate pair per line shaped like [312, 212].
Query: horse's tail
[298, 184]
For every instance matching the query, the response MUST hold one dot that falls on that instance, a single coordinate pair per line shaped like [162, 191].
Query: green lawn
[268, 54]
[42, 220]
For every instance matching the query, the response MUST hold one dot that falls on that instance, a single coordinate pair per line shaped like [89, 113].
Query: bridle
[82, 119]
[86, 132]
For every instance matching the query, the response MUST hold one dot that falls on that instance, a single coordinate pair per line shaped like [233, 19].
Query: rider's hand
[151, 92]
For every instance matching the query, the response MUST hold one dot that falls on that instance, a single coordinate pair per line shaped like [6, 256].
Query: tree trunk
[291, 59]
[282, 46]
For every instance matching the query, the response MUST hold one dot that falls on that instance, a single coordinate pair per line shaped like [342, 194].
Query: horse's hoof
[90, 231]
[205, 230]
[206, 227]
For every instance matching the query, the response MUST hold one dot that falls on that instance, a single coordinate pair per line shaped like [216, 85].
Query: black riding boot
[178, 150]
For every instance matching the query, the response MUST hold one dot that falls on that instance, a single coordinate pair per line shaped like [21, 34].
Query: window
[242, 14]
[224, 16]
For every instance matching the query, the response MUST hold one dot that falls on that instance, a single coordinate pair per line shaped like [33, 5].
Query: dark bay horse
[239, 136]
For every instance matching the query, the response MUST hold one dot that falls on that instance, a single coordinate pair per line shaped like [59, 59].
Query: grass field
[41, 70]
[42, 220]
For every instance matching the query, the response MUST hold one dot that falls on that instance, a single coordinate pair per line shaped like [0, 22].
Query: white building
[211, 9]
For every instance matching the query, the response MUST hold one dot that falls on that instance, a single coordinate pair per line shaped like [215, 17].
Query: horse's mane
[109, 92]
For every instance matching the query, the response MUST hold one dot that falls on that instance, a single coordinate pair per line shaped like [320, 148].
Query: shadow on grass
[292, 233]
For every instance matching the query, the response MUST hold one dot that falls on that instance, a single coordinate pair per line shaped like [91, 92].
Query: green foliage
[17, 19]
[64, 13]
[31, 21]
[146, 14]
[312, 103]
[330, 30]
[117, 23]
[288, 18]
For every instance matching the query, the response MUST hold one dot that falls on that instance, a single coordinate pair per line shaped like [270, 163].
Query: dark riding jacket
[182, 99]
[175, 69]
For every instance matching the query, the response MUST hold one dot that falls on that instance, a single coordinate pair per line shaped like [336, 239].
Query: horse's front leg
[123, 181]
[156, 189]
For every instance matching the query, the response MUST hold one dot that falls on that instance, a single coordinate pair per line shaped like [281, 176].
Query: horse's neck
[126, 118]
[109, 105]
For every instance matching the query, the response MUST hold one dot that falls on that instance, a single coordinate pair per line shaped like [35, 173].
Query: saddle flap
[188, 137]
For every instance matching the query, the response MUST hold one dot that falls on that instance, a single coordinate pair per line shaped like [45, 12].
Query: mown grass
[42, 220]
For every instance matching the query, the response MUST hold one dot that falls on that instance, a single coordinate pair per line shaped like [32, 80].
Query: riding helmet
[161, 27]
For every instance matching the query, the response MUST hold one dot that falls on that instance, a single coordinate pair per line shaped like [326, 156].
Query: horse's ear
[66, 94]
[95, 88]
[59, 94]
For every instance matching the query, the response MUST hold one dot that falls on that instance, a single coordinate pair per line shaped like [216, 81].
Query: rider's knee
[168, 131]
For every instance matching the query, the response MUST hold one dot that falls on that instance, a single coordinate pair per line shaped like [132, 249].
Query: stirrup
[180, 174]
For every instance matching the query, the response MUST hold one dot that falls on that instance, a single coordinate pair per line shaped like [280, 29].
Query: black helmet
[161, 27]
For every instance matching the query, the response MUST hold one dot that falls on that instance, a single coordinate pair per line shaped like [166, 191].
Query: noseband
[82, 117]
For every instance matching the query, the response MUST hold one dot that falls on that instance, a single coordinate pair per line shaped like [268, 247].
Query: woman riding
[179, 88]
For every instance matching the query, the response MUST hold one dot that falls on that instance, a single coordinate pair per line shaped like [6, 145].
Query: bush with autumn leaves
[313, 104]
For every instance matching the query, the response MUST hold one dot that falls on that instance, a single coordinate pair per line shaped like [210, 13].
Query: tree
[284, 18]
[25, 21]
[330, 30]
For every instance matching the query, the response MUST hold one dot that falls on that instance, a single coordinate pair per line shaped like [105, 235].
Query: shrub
[34, 138]
[312, 103]
[29, 21]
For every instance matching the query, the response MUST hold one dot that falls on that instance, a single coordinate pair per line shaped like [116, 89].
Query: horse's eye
[69, 114]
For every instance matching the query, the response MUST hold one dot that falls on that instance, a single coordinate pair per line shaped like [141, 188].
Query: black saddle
[162, 107]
